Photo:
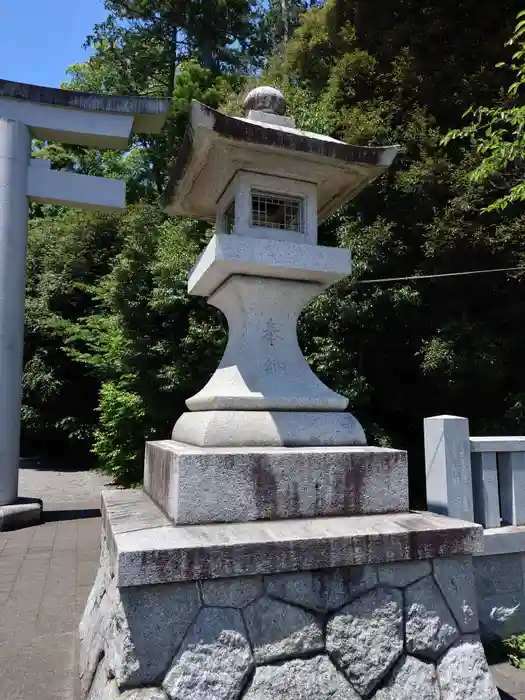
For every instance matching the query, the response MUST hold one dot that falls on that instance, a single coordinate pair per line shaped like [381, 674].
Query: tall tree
[279, 20]
[143, 47]
[215, 32]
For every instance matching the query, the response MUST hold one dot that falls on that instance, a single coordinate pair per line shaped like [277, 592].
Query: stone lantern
[272, 553]
[267, 186]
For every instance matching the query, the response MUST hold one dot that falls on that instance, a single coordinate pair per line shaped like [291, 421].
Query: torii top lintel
[85, 119]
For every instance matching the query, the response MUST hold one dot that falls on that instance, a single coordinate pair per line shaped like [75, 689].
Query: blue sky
[39, 39]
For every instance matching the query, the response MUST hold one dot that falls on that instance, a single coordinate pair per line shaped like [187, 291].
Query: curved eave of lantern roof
[216, 146]
[82, 118]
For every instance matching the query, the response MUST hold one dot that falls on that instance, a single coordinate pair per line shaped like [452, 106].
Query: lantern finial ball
[265, 99]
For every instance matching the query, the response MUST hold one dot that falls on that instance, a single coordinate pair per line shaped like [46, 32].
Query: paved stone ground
[46, 573]
[510, 681]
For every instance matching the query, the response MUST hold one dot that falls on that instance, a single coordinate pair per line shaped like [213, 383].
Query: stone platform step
[146, 548]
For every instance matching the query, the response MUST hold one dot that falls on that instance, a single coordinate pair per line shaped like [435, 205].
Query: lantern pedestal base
[268, 429]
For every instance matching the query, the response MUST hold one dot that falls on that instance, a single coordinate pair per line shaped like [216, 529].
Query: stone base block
[146, 548]
[25, 512]
[203, 485]
[376, 631]
[268, 429]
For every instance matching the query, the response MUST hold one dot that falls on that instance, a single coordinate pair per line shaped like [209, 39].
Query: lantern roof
[216, 146]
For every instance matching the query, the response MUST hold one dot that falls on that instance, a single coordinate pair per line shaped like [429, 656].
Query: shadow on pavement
[505, 696]
[45, 464]
[53, 516]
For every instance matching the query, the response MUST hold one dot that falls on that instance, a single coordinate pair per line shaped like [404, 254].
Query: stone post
[448, 467]
[15, 147]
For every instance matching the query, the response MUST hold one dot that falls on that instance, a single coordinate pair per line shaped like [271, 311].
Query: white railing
[481, 479]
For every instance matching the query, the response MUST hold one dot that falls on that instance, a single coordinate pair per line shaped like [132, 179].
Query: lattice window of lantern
[277, 211]
[229, 218]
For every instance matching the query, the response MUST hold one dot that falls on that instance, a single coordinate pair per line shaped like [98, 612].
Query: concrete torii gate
[26, 112]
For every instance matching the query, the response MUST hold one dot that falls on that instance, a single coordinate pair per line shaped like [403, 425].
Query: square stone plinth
[23, 513]
[146, 548]
[195, 485]
[370, 606]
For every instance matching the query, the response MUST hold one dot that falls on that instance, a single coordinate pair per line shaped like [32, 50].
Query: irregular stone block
[350, 580]
[365, 638]
[92, 632]
[498, 574]
[411, 679]
[502, 614]
[464, 673]
[232, 592]
[430, 628]
[210, 624]
[146, 627]
[144, 694]
[402, 574]
[213, 671]
[103, 688]
[455, 578]
[281, 631]
[300, 679]
[304, 588]
[92, 628]
[322, 590]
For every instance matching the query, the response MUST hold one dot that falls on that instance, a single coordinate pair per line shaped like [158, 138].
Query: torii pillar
[50, 114]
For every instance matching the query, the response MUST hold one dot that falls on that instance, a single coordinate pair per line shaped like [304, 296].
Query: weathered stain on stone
[240, 130]
[353, 484]
[429, 544]
[157, 480]
[247, 558]
[264, 488]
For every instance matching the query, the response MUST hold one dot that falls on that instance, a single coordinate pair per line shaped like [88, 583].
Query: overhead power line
[437, 276]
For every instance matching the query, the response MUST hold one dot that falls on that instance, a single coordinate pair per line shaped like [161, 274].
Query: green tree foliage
[497, 134]
[118, 323]
[405, 350]
[141, 44]
[151, 346]
[68, 253]
[278, 22]
[65, 282]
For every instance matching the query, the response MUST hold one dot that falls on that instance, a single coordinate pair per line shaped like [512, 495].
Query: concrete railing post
[448, 466]
[15, 151]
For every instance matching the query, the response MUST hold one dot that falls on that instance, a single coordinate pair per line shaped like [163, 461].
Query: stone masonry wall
[500, 590]
[384, 632]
